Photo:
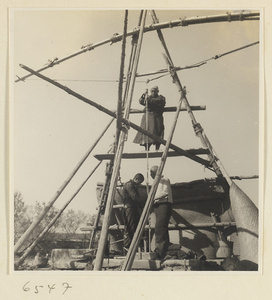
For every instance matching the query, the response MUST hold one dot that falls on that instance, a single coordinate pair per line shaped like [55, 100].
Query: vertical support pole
[120, 86]
[134, 42]
[101, 206]
[117, 160]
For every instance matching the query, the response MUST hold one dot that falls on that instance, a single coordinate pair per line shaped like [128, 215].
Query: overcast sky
[51, 130]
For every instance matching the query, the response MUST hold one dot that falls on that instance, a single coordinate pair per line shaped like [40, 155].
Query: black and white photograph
[136, 139]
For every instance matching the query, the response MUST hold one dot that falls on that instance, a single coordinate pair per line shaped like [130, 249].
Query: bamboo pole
[113, 114]
[121, 76]
[164, 71]
[118, 117]
[118, 128]
[134, 41]
[103, 198]
[52, 222]
[100, 208]
[118, 158]
[228, 17]
[173, 226]
[31, 228]
[196, 65]
[241, 177]
[197, 127]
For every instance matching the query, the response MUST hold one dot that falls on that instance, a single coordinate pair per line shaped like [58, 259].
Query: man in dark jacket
[152, 119]
[133, 207]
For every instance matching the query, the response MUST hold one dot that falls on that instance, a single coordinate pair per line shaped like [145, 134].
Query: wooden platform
[78, 259]
[171, 226]
[151, 154]
[171, 109]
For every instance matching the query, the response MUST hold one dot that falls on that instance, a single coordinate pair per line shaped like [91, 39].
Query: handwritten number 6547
[37, 288]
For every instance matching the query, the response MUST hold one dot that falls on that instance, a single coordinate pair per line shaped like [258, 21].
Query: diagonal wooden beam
[197, 127]
[113, 114]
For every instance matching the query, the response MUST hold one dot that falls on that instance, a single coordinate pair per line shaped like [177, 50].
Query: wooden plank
[173, 226]
[141, 264]
[170, 109]
[193, 264]
[152, 154]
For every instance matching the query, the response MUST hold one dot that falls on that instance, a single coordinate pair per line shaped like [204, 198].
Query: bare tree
[21, 219]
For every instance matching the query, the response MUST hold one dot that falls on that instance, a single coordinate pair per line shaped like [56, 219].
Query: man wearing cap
[152, 119]
[163, 209]
[133, 207]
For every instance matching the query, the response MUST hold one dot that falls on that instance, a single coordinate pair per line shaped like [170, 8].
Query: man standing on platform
[133, 208]
[163, 210]
[152, 119]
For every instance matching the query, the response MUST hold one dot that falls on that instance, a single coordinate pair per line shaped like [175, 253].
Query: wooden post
[118, 158]
[31, 228]
[52, 222]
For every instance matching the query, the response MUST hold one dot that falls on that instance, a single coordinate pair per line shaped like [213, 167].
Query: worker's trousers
[131, 217]
[163, 213]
